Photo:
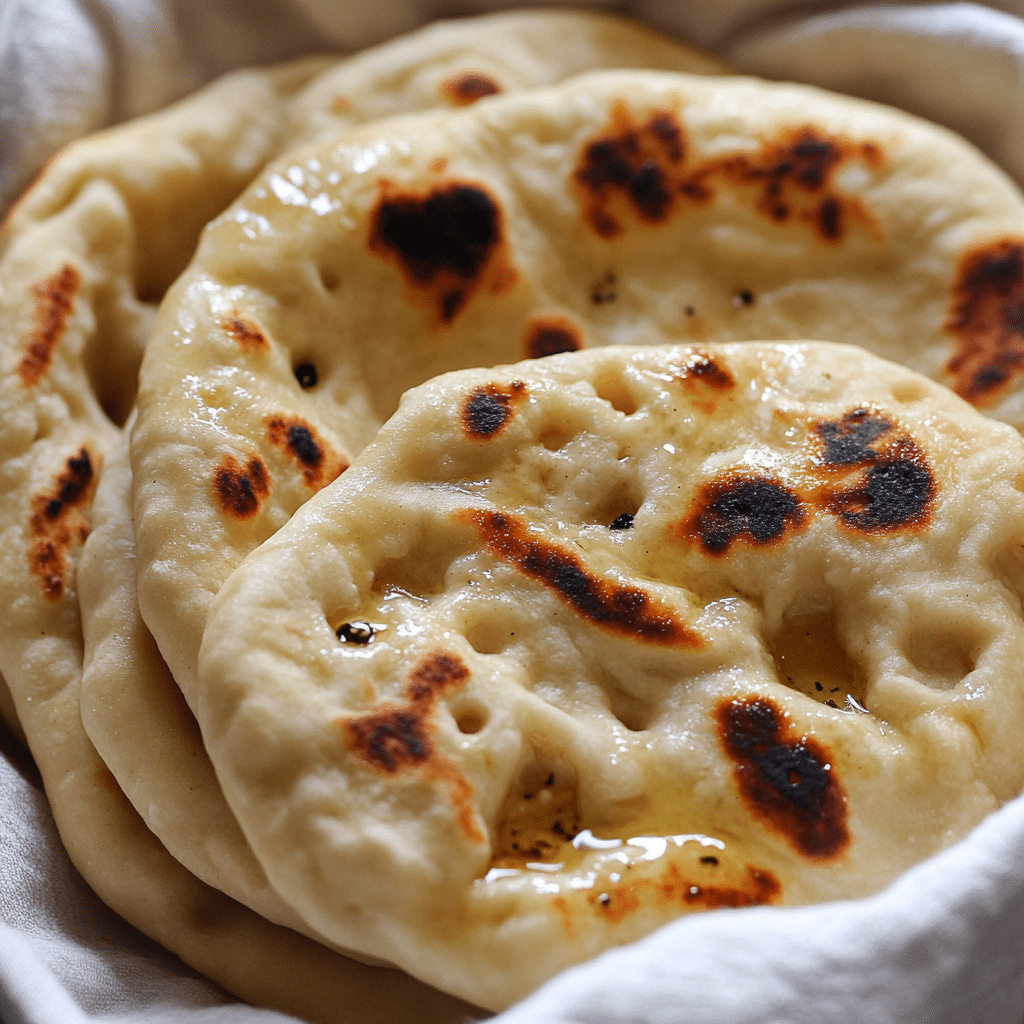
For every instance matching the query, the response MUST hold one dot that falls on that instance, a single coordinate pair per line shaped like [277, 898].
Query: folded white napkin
[943, 944]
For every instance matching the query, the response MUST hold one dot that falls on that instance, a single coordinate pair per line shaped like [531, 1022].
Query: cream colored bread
[137, 718]
[614, 208]
[132, 202]
[582, 644]
[131, 871]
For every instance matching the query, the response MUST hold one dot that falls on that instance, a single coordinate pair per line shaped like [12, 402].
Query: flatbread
[135, 715]
[619, 206]
[131, 712]
[130, 870]
[582, 644]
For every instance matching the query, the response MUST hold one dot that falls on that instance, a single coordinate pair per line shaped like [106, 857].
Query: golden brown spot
[299, 439]
[246, 333]
[987, 320]
[54, 300]
[240, 489]
[547, 335]
[446, 241]
[615, 902]
[786, 780]
[434, 675]
[612, 606]
[488, 409]
[57, 523]
[737, 505]
[395, 739]
[467, 87]
[705, 370]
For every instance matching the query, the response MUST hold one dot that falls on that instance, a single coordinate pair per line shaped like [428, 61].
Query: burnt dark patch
[548, 335]
[792, 179]
[758, 509]
[240, 488]
[896, 494]
[642, 166]
[488, 409]
[443, 240]
[54, 299]
[612, 606]
[467, 87]
[632, 161]
[848, 441]
[987, 320]
[301, 441]
[786, 780]
[57, 523]
[248, 335]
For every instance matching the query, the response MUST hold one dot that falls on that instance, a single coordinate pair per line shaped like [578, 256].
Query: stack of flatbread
[468, 504]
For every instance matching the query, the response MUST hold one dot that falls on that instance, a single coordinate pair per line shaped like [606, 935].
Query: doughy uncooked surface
[614, 208]
[584, 643]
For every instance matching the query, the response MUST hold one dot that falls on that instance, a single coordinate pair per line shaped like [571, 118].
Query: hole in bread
[423, 568]
[617, 509]
[941, 656]
[471, 716]
[810, 657]
[307, 376]
[488, 635]
[330, 279]
[610, 386]
[555, 436]
[540, 813]
[907, 391]
[635, 714]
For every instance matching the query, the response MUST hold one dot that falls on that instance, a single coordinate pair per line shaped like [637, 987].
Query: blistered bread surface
[584, 643]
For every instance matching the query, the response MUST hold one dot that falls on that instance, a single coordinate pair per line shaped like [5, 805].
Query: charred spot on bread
[613, 606]
[53, 300]
[239, 488]
[785, 779]
[738, 506]
[57, 523]
[987, 320]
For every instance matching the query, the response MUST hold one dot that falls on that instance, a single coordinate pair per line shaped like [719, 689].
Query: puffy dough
[619, 207]
[581, 644]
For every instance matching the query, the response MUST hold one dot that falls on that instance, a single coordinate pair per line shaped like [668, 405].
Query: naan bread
[618, 207]
[585, 643]
[136, 717]
[149, 741]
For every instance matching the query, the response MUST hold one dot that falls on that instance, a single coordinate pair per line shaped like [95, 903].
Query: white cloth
[943, 944]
